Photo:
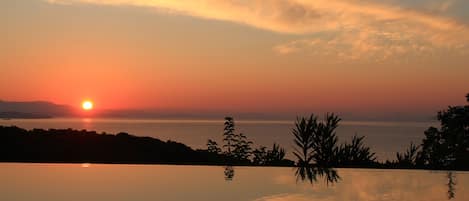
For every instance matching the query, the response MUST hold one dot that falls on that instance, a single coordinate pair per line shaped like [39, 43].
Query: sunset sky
[263, 56]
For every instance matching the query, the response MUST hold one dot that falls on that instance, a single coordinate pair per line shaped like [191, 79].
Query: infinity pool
[97, 182]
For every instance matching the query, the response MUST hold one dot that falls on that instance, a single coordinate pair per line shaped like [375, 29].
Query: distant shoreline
[22, 115]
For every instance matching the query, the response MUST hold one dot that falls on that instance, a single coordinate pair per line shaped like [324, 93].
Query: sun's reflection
[85, 165]
[87, 123]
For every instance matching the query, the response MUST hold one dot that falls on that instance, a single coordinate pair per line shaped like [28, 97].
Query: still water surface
[96, 182]
[385, 138]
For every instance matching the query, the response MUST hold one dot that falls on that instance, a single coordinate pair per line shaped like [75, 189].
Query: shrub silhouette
[408, 159]
[303, 133]
[325, 140]
[317, 143]
[355, 154]
[242, 148]
[273, 157]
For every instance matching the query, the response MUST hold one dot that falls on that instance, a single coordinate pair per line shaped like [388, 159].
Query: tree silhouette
[448, 147]
[229, 135]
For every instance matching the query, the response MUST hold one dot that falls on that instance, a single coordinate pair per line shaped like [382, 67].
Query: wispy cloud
[347, 29]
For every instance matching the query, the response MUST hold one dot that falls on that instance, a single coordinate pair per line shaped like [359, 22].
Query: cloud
[347, 29]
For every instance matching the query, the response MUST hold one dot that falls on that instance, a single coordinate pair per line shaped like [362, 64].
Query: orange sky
[277, 56]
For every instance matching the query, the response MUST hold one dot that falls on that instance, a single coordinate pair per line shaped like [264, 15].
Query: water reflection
[311, 174]
[451, 185]
[302, 173]
[71, 182]
[229, 173]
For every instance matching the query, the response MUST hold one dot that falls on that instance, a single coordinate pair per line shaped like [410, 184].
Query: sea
[384, 137]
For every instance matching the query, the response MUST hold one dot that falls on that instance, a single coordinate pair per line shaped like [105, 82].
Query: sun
[87, 105]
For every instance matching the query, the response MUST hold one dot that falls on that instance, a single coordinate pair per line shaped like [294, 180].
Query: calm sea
[385, 138]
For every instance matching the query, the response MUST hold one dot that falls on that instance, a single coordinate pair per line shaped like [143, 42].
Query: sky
[357, 57]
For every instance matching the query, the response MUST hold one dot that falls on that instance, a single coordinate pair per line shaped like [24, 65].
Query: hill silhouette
[33, 109]
[74, 146]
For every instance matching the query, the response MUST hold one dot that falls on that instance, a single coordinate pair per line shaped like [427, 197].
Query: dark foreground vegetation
[316, 147]
[73, 146]
[444, 148]
[81, 146]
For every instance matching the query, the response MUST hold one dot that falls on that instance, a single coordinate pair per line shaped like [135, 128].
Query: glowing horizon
[290, 56]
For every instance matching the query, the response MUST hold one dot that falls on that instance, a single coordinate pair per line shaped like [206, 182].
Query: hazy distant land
[32, 110]
[45, 109]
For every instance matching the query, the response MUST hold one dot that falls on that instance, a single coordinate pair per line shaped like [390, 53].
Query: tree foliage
[448, 146]
[229, 135]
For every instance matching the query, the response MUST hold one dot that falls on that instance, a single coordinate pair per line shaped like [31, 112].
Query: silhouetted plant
[355, 154]
[311, 174]
[260, 156]
[317, 141]
[409, 158]
[448, 147]
[229, 135]
[306, 173]
[330, 175]
[275, 156]
[325, 141]
[242, 148]
[229, 173]
[451, 185]
[212, 147]
[303, 133]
